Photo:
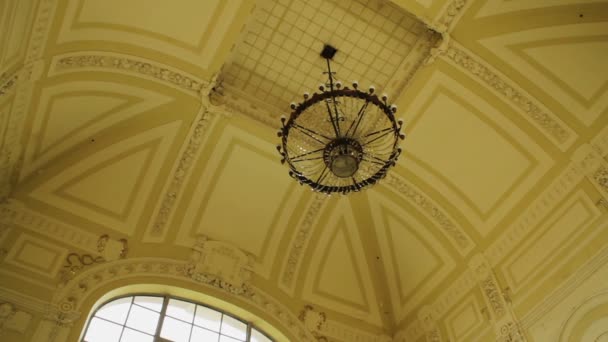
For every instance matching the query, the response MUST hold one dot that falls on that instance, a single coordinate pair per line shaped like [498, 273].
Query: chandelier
[340, 139]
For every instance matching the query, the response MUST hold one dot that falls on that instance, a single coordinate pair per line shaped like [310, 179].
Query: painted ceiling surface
[134, 131]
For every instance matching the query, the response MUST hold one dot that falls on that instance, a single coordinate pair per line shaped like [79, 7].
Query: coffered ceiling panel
[466, 321]
[128, 170]
[338, 276]
[226, 203]
[36, 255]
[579, 82]
[15, 20]
[532, 262]
[415, 261]
[69, 113]
[482, 167]
[189, 30]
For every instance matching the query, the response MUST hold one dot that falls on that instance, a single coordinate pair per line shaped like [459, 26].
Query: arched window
[160, 319]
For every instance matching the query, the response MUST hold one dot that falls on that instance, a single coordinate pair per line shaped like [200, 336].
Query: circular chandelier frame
[354, 151]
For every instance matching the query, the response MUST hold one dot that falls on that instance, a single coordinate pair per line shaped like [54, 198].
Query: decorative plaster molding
[556, 130]
[8, 84]
[341, 332]
[313, 321]
[566, 288]
[130, 64]
[585, 161]
[417, 57]
[221, 264]
[107, 251]
[489, 286]
[189, 154]
[454, 293]
[431, 328]
[14, 213]
[69, 299]
[301, 239]
[502, 318]
[7, 312]
[239, 102]
[453, 232]
[449, 16]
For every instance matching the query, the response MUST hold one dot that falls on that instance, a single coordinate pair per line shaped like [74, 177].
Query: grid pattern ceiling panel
[278, 59]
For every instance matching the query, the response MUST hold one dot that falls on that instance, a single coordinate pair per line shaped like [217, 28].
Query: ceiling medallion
[341, 139]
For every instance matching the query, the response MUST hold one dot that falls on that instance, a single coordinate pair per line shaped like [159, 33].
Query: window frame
[162, 314]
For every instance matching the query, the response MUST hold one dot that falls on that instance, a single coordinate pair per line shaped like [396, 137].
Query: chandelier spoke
[305, 159]
[374, 162]
[307, 153]
[323, 174]
[378, 137]
[314, 135]
[332, 120]
[333, 99]
[358, 120]
[375, 158]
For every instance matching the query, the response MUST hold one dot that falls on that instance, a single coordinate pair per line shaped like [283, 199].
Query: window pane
[102, 331]
[115, 311]
[229, 339]
[143, 319]
[153, 303]
[203, 335]
[234, 328]
[257, 336]
[130, 335]
[207, 318]
[181, 310]
[175, 330]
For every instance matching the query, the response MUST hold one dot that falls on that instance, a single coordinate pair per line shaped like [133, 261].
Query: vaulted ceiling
[157, 124]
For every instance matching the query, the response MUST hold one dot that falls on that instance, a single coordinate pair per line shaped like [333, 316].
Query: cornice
[97, 60]
[452, 230]
[557, 131]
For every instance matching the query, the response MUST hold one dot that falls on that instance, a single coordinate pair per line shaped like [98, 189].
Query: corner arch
[78, 299]
[588, 322]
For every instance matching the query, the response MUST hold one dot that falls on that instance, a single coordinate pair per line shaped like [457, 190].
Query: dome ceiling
[157, 125]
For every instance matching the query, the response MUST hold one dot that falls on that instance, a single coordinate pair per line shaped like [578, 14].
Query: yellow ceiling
[156, 123]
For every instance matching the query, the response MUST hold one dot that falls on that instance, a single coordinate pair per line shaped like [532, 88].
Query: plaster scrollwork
[301, 238]
[511, 332]
[546, 121]
[107, 250]
[220, 264]
[489, 286]
[314, 321]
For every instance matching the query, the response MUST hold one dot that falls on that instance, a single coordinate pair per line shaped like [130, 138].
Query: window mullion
[248, 339]
[161, 319]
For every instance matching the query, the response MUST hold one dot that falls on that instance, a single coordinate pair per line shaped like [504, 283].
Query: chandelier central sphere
[340, 139]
